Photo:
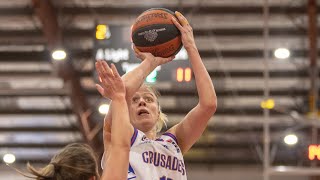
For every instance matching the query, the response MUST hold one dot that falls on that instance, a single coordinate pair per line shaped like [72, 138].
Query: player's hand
[155, 61]
[186, 31]
[112, 86]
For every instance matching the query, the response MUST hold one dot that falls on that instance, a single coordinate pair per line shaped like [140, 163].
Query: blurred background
[261, 55]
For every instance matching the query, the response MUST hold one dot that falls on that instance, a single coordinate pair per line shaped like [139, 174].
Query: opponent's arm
[117, 162]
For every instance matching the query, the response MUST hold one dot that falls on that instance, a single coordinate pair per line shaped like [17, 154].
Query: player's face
[144, 111]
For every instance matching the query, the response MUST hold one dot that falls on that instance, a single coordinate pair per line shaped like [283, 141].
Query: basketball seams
[153, 17]
[163, 9]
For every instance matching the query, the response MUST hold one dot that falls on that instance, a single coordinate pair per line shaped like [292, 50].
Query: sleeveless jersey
[159, 159]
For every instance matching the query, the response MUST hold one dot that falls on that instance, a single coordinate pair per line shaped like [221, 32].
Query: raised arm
[135, 78]
[117, 162]
[189, 130]
[132, 80]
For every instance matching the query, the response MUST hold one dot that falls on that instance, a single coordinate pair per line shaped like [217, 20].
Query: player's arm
[133, 79]
[117, 162]
[189, 130]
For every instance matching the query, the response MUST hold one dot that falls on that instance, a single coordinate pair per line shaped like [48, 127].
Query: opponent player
[78, 161]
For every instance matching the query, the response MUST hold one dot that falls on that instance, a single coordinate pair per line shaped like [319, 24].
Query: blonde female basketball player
[78, 161]
[160, 157]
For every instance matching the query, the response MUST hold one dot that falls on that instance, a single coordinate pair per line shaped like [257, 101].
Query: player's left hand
[185, 29]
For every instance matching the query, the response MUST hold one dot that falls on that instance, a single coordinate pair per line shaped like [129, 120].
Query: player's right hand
[155, 61]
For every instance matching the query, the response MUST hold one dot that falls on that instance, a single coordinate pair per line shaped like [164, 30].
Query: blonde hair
[162, 119]
[74, 162]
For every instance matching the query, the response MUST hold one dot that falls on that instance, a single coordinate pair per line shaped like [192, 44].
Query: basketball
[154, 32]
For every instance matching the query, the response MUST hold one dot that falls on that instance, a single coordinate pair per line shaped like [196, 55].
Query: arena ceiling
[43, 104]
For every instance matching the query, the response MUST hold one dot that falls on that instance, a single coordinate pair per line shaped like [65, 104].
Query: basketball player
[78, 161]
[154, 157]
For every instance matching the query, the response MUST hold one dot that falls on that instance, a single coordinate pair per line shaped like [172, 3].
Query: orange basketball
[154, 32]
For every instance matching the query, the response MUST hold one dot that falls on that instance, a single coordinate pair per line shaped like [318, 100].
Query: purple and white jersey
[159, 159]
